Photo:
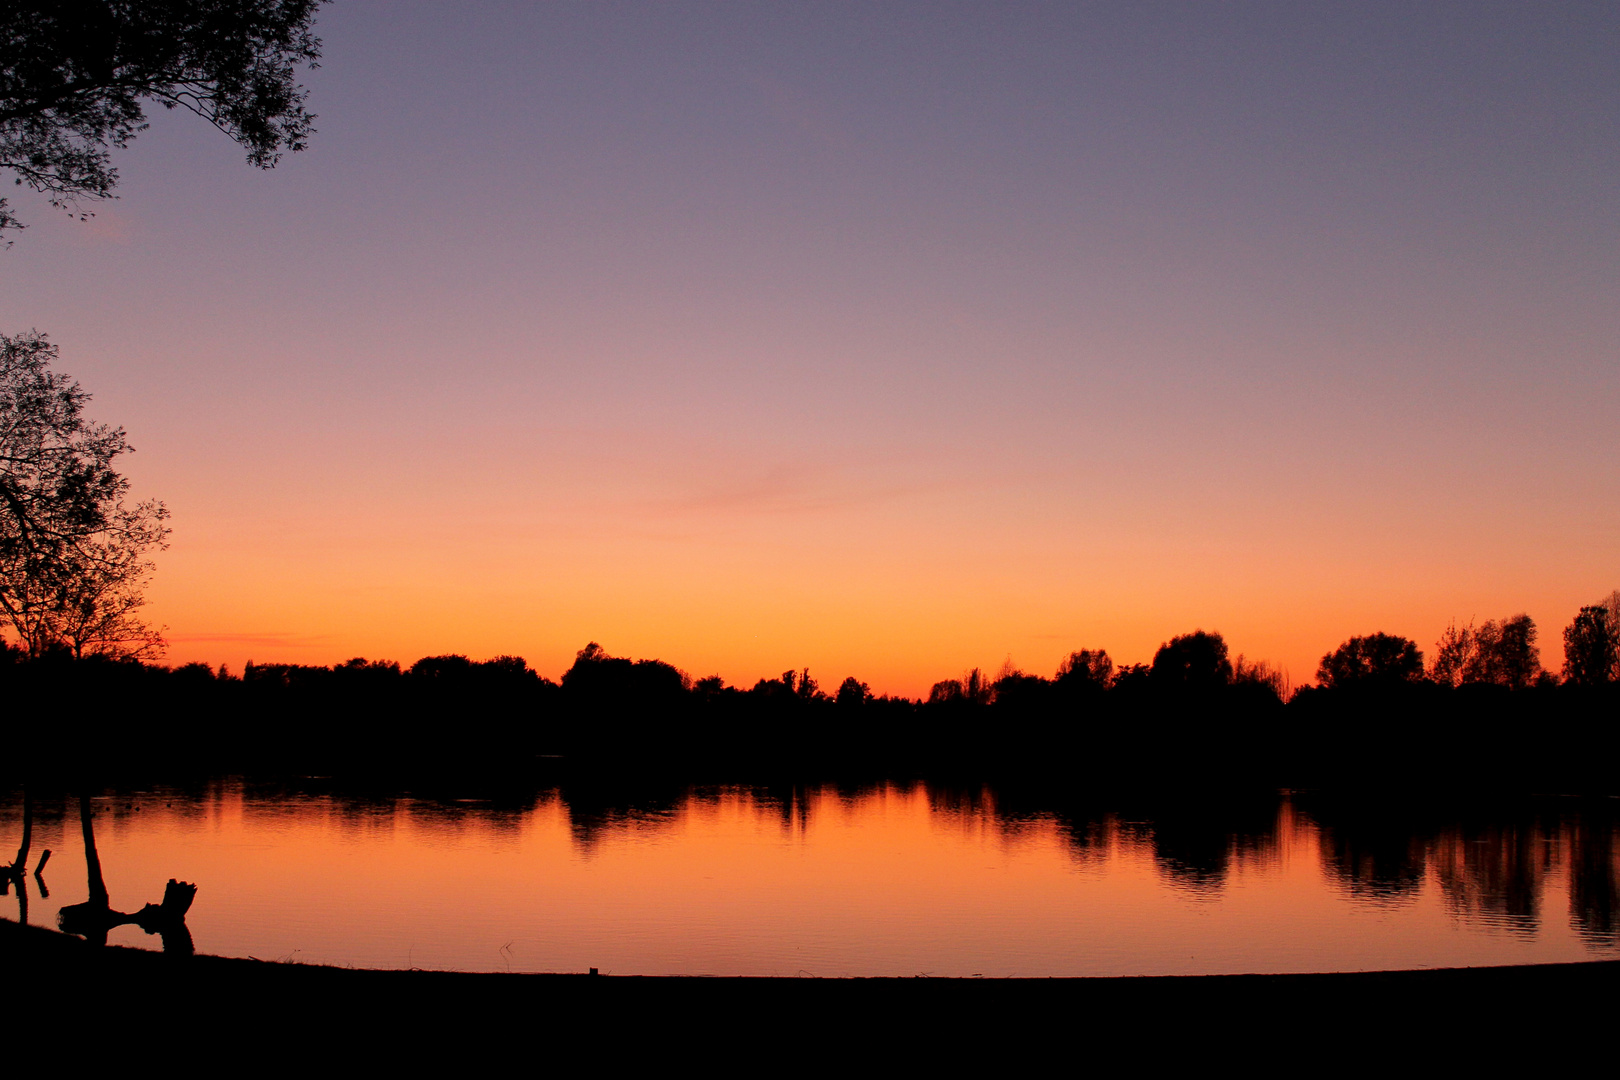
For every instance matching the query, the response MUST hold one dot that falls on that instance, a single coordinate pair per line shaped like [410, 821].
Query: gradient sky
[887, 339]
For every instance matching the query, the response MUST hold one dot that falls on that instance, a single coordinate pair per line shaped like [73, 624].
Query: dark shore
[1386, 1018]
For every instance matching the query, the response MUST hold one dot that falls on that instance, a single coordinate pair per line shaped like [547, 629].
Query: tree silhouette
[74, 75]
[1195, 661]
[971, 689]
[1611, 607]
[1453, 654]
[1495, 654]
[1590, 647]
[72, 555]
[1089, 668]
[852, 693]
[1504, 654]
[1377, 659]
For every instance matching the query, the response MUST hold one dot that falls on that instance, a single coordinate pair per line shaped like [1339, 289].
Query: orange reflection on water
[884, 880]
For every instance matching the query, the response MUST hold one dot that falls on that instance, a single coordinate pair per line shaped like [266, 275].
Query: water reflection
[859, 877]
[15, 874]
[1492, 861]
[94, 919]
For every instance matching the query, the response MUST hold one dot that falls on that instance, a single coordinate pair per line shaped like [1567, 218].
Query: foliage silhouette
[73, 556]
[1505, 654]
[1192, 662]
[1590, 653]
[1452, 654]
[1089, 668]
[852, 693]
[75, 76]
[1493, 654]
[1371, 660]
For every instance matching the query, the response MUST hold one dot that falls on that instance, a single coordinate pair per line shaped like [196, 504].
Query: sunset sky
[883, 339]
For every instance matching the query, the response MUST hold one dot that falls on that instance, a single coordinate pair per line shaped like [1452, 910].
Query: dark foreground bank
[127, 1003]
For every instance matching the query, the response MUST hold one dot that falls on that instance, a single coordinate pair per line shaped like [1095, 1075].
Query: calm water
[884, 880]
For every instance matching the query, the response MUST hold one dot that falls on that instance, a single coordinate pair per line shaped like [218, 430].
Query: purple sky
[884, 338]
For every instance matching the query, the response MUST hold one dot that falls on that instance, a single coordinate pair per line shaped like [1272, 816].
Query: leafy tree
[972, 689]
[1495, 654]
[1016, 690]
[1131, 678]
[1505, 654]
[1088, 668]
[1195, 661]
[73, 556]
[1611, 605]
[96, 611]
[1377, 659]
[615, 680]
[802, 685]
[852, 693]
[1453, 654]
[1590, 648]
[1261, 675]
[75, 76]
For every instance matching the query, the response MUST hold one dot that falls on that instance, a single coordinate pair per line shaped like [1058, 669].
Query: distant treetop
[1195, 661]
[1377, 659]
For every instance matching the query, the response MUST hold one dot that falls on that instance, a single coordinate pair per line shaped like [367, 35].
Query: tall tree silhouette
[72, 555]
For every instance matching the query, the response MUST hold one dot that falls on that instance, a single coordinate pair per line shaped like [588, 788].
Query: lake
[868, 879]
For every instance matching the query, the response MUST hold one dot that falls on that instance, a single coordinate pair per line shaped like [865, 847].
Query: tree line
[1194, 714]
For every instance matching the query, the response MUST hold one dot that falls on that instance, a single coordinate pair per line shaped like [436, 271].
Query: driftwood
[177, 898]
[93, 919]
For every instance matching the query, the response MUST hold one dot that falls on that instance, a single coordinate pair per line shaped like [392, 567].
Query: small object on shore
[593, 971]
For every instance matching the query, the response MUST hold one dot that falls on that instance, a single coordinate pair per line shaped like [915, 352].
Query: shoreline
[223, 1004]
[30, 945]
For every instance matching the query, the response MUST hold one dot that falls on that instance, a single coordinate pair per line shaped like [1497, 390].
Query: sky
[886, 340]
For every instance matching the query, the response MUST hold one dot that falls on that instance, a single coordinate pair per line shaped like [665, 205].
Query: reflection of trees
[17, 873]
[1091, 841]
[963, 801]
[1494, 871]
[1373, 852]
[1491, 857]
[1196, 839]
[596, 807]
[1193, 835]
[1379, 867]
[1594, 875]
[93, 919]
